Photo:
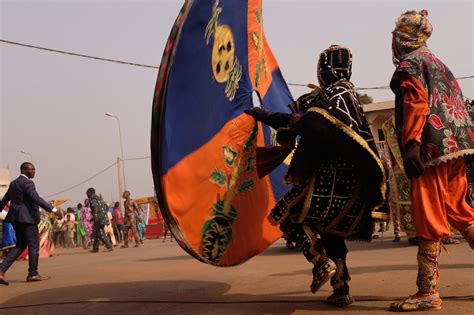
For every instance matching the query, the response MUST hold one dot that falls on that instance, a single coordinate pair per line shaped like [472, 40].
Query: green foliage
[365, 98]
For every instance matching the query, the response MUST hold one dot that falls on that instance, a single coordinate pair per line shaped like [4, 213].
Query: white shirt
[25, 176]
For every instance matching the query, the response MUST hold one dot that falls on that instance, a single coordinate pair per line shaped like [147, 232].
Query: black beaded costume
[337, 176]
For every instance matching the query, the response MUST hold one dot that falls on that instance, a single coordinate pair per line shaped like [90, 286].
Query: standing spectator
[70, 227]
[130, 221]
[59, 230]
[99, 215]
[24, 215]
[86, 220]
[118, 221]
[109, 230]
[80, 231]
[141, 223]
[167, 229]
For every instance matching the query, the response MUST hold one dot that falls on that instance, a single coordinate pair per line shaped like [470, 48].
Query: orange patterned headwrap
[412, 29]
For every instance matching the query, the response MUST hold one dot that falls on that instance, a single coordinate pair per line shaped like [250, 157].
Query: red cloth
[268, 158]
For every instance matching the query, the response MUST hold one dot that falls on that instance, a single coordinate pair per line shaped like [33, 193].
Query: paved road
[161, 278]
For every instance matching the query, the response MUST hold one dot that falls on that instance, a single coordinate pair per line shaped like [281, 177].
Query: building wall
[377, 114]
[4, 180]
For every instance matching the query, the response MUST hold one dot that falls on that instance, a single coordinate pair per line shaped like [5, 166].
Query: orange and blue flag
[203, 146]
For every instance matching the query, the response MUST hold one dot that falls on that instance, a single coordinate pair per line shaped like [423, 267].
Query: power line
[309, 85]
[79, 55]
[97, 174]
[373, 88]
[298, 84]
[466, 77]
[312, 86]
[83, 182]
[138, 158]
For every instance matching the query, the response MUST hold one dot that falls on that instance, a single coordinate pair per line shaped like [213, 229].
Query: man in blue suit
[24, 216]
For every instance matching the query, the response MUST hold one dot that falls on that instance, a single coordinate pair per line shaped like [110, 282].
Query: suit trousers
[26, 235]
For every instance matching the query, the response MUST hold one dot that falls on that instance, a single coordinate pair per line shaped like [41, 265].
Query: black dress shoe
[36, 278]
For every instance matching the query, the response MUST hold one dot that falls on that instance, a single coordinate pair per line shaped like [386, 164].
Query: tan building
[377, 114]
[4, 181]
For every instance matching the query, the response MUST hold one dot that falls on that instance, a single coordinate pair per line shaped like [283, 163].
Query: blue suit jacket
[24, 202]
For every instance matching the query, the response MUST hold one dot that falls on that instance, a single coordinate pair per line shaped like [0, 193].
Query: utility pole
[121, 146]
[120, 186]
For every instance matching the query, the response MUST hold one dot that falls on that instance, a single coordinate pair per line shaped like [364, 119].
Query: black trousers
[119, 232]
[335, 246]
[98, 236]
[26, 235]
[336, 249]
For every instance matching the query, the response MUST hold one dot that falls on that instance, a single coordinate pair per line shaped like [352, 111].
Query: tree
[365, 99]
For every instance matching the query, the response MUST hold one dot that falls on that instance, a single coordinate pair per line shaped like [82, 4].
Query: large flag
[216, 63]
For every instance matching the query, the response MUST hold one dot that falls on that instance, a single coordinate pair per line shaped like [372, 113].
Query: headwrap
[412, 29]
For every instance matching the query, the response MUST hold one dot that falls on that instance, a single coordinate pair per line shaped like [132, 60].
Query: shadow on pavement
[166, 297]
[353, 246]
[373, 269]
[180, 257]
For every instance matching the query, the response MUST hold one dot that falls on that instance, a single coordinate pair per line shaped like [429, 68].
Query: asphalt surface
[161, 278]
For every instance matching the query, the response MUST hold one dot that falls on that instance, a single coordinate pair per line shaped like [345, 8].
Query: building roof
[379, 106]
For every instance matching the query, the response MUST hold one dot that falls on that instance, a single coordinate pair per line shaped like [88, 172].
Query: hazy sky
[53, 106]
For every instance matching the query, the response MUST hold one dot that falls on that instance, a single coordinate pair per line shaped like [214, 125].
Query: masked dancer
[336, 174]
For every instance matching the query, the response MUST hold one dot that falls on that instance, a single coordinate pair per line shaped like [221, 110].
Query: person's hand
[285, 137]
[3, 215]
[294, 120]
[412, 163]
[54, 210]
[258, 113]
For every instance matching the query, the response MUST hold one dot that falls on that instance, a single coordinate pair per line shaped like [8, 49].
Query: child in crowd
[59, 230]
[70, 227]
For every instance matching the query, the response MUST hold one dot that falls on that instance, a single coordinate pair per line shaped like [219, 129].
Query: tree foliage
[365, 98]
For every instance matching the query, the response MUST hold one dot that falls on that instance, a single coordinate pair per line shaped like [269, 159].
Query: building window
[381, 135]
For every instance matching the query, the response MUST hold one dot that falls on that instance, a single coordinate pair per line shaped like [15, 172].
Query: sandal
[341, 297]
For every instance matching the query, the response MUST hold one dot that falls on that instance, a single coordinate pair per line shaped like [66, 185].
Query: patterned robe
[99, 210]
[448, 132]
